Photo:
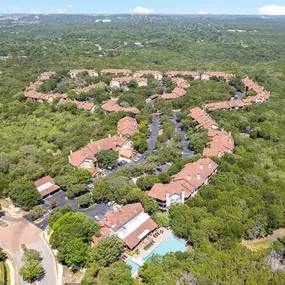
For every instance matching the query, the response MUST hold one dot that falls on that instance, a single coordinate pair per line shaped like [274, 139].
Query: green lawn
[2, 272]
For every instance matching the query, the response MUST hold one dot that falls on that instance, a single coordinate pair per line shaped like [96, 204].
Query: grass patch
[2, 273]
[7, 270]
[258, 244]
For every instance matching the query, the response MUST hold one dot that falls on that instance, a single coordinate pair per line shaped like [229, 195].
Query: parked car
[136, 159]
[97, 218]
[159, 169]
[111, 203]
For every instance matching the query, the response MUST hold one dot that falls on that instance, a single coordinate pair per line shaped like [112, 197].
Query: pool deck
[139, 258]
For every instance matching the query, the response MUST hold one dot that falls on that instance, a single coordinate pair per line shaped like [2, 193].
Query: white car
[97, 218]
[111, 203]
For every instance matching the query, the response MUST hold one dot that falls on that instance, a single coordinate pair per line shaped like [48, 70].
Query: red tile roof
[223, 75]
[250, 85]
[183, 73]
[202, 118]
[116, 71]
[221, 143]
[80, 104]
[46, 75]
[115, 221]
[146, 72]
[89, 71]
[89, 87]
[176, 93]
[46, 185]
[89, 151]
[189, 179]
[180, 82]
[112, 106]
[133, 239]
[127, 126]
[227, 105]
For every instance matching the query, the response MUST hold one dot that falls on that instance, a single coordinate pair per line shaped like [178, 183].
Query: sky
[271, 7]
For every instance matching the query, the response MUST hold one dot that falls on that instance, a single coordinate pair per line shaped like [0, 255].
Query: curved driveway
[20, 231]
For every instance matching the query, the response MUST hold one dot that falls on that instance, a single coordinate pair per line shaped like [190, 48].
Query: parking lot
[99, 209]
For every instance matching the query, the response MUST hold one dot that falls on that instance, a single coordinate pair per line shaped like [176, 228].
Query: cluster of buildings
[203, 120]
[32, 93]
[85, 157]
[112, 106]
[184, 184]
[125, 81]
[129, 223]
[176, 93]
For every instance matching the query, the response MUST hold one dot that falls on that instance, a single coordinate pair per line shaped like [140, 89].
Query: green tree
[32, 270]
[38, 211]
[24, 194]
[85, 201]
[31, 254]
[2, 254]
[140, 142]
[107, 158]
[73, 253]
[106, 251]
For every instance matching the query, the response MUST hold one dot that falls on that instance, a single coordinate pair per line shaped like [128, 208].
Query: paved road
[19, 232]
[154, 129]
[186, 152]
[99, 209]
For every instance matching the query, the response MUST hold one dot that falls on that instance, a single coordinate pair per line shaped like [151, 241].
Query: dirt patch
[264, 243]
[71, 277]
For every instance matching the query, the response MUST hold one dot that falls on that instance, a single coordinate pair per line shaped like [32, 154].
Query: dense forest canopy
[246, 197]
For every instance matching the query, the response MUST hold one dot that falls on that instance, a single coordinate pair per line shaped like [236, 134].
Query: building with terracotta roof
[73, 73]
[46, 75]
[184, 184]
[85, 157]
[180, 82]
[202, 119]
[46, 186]
[251, 85]
[112, 106]
[127, 126]
[119, 72]
[233, 104]
[130, 224]
[87, 106]
[40, 97]
[89, 87]
[220, 75]
[156, 74]
[192, 74]
[124, 81]
[221, 142]
[176, 93]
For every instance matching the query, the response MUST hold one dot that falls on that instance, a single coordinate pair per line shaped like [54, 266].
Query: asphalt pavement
[186, 152]
[154, 129]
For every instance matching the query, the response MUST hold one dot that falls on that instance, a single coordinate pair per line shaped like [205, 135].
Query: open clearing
[264, 243]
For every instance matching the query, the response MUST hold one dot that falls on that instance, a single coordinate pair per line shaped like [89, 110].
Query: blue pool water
[135, 266]
[169, 244]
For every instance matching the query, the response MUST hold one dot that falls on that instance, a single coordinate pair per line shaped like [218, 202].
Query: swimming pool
[169, 244]
[135, 266]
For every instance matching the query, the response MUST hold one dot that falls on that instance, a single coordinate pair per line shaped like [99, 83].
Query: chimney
[219, 154]
[189, 177]
[70, 151]
[198, 176]
[230, 133]
[109, 135]
[69, 158]
[201, 166]
[121, 135]
[210, 164]
[168, 203]
[91, 141]
[183, 196]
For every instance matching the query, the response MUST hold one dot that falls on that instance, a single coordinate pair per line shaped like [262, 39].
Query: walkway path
[20, 231]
